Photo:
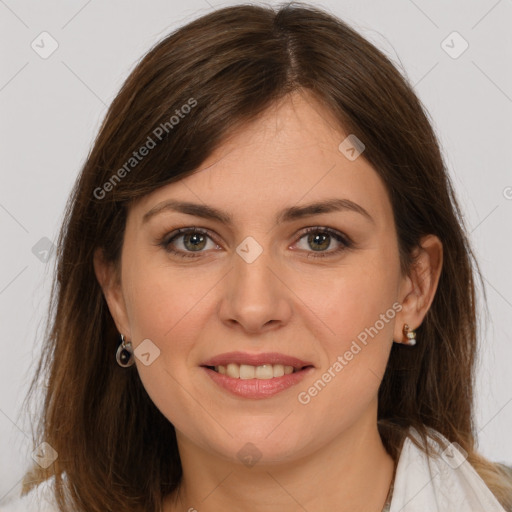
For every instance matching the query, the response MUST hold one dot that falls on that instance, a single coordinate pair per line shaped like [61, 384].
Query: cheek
[161, 299]
[165, 307]
[170, 307]
[358, 320]
[357, 305]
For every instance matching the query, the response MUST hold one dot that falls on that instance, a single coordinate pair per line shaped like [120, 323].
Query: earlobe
[109, 281]
[420, 286]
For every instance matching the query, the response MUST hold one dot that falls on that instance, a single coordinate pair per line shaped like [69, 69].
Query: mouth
[256, 376]
[262, 372]
[259, 381]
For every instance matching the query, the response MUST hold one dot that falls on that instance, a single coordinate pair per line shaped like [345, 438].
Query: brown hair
[115, 448]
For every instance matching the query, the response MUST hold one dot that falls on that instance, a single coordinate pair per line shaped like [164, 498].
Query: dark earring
[124, 354]
[410, 334]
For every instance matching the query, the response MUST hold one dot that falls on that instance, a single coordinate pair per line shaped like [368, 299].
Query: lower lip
[257, 388]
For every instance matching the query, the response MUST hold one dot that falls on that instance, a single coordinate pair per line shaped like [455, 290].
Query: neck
[353, 472]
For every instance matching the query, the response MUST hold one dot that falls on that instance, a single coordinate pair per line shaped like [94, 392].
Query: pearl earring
[410, 335]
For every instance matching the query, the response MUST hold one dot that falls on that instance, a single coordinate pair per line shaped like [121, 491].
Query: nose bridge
[255, 296]
[251, 274]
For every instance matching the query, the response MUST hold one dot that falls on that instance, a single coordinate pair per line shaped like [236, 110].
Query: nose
[255, 296]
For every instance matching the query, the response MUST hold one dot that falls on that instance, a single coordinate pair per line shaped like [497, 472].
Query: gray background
[51, 110]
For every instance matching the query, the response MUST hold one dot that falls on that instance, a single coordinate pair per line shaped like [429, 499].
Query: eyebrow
[287, 215]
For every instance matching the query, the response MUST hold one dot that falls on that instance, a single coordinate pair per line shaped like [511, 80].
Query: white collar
[447, 483]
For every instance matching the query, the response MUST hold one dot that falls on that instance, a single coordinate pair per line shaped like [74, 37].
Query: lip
[256, 360]
[257, 388]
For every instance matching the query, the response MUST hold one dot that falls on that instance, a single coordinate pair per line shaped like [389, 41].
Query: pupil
[196, 237]
[314, 238]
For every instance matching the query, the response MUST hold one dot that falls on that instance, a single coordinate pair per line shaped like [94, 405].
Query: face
[322, 287]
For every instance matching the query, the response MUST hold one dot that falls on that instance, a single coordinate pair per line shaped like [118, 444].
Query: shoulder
[444, 481]
[38, 499]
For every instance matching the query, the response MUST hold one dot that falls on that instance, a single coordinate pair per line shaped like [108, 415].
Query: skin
[324, 455]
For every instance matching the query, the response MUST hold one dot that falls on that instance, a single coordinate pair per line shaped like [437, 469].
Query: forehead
[289, 156]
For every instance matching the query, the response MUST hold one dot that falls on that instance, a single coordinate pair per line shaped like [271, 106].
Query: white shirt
[445, 484]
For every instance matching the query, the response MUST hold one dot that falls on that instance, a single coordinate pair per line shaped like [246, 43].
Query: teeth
[262, 372]
[233, 371]
[246, 371]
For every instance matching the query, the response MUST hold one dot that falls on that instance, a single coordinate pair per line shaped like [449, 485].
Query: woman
[265, 292]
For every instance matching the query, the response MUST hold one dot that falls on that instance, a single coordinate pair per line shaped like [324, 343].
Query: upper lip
[256, 359]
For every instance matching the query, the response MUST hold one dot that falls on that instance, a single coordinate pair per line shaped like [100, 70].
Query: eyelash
[165, 242]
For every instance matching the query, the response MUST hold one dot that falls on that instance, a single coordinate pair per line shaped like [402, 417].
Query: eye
[193, 240]
[321, 238]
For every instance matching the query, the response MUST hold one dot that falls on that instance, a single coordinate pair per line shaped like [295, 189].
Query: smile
[247, 371]
[242, 384]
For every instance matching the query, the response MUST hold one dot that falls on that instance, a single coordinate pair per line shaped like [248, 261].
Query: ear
[110, 282]
[417, 290]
